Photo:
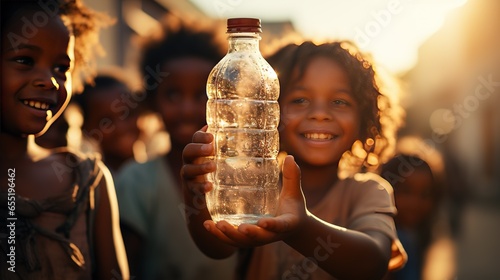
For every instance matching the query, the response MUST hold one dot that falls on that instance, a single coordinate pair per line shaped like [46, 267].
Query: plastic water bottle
[243, 115]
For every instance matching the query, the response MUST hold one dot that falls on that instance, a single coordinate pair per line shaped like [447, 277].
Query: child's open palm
[291, 212]
[291, 209]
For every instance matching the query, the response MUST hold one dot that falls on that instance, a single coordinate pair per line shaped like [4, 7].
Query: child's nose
[320, 110]
[46, 81]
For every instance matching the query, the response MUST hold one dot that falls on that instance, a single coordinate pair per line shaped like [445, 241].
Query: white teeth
[36, 104]
[318, 136]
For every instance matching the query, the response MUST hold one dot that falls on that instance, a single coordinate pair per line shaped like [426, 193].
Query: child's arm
[134, 245]
[194, 188]
[111, 259]
[343, 253]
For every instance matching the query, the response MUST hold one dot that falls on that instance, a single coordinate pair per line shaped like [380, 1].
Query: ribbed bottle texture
[243, 115]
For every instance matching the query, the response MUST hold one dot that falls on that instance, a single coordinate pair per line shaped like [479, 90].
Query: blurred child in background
[174, 66]
[416, 174]
[110, 111]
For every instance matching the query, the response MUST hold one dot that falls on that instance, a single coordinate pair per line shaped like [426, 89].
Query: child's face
[319, 116]
[112, 123]
[181, 98]
[414, 198]
[35, 63]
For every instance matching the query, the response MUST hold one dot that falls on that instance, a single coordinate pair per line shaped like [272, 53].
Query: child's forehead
[322, 58]
[317, 65]
[50, 38]
[31, 17]
[29, 23]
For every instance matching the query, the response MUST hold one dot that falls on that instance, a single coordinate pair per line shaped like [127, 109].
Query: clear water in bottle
[243, 115]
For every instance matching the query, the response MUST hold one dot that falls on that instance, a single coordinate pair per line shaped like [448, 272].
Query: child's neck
[19, 152]
[13, 146]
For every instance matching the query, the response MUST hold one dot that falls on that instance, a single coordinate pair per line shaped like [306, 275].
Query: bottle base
[238, 219]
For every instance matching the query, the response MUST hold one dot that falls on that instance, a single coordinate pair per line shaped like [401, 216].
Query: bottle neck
[243, 41]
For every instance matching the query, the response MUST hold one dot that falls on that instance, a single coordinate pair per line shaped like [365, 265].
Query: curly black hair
[177, 39]
[379, 122]
[83, 22]
[103, 81]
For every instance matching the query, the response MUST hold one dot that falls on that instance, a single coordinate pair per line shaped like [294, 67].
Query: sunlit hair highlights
[380, 116]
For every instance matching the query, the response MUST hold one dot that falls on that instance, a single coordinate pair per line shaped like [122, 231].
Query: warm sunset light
[391, 30]
[250, 139]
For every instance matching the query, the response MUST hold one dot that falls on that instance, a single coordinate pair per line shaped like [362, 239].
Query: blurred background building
[135, 18]
[454, 100]
[452, 97]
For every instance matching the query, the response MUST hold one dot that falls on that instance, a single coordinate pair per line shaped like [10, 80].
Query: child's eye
[299, 100]
[340, 102]
[62, 68]
[25, 60]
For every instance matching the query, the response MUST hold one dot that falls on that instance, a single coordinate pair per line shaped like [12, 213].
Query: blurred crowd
[445, 170]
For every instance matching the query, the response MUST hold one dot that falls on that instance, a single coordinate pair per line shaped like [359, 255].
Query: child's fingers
[220, 230]
[257, 234]
[246, 235]
[200, 147]
[193, 151]
[291, 178]
[199, 188]
[280, 224]
[201, 136]
[191, 171]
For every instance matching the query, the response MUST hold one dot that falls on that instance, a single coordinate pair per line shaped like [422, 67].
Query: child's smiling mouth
[37, 104]
[319, 136]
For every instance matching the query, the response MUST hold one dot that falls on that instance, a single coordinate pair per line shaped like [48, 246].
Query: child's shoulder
[71, 158]
[369, 180]
[73, 164]
[55, 173]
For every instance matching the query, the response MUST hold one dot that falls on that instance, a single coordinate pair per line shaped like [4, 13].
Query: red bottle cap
[243, 25]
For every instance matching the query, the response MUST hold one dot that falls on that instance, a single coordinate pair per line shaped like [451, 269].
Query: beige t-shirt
[364, 202]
